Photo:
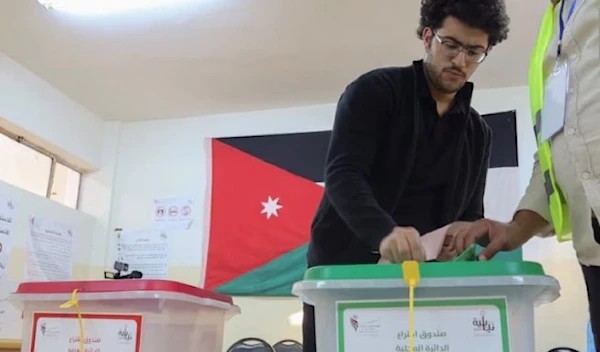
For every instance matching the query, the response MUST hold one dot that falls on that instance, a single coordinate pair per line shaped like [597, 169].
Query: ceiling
[221, 56]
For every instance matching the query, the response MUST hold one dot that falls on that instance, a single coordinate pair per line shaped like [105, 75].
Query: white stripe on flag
[502, 193]
[502, 196]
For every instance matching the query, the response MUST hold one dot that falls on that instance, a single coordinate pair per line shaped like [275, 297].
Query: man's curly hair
[488, 15]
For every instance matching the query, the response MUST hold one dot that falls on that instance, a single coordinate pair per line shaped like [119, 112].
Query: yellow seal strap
[74, 302]
[411, 274]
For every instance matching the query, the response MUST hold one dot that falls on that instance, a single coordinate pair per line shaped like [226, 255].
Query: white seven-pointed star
[270, 207]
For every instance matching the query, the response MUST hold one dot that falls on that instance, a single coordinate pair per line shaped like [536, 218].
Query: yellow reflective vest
[559, 210]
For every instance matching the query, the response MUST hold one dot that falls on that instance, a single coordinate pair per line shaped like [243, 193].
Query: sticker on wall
[173, 213]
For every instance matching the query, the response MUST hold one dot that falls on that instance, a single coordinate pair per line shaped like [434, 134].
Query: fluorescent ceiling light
[109, 6]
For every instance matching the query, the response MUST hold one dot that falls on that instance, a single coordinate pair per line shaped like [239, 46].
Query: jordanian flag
[265, 191]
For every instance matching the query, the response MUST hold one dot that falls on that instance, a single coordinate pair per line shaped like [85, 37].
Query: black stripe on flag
[504, 139]
[303, 154]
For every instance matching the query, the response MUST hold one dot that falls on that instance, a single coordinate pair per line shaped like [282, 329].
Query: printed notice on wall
[50, 248]
[440, 325]
[7, 218]
[144, 251]
[173, 213]
[102, 333]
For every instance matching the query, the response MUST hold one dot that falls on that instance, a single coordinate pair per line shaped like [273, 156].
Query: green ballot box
[462, 306]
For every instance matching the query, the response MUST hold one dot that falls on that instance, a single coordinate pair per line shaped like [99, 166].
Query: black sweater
[371, 155]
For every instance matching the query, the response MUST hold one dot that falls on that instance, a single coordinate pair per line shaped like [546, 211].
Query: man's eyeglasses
[452, 49]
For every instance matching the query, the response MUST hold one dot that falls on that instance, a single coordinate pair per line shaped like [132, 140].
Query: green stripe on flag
[275, 278]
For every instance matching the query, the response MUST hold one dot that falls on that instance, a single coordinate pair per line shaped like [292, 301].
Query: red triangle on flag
[258, 212]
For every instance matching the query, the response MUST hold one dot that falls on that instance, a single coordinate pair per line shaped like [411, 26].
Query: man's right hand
[403, 243]
[499, 235]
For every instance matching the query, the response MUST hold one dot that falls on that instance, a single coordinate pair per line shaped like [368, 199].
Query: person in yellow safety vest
[563, 196]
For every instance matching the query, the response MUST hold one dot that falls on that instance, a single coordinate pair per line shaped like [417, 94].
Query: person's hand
[448, 251]
[496, 233]
[465, 233]
[403, 243]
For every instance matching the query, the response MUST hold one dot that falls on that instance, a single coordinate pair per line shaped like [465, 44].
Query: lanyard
[562, 22]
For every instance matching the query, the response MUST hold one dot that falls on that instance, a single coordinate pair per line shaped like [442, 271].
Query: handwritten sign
[449, 325]
[103, 332]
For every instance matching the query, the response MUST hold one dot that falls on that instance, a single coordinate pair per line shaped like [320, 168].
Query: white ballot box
[457, 306]
[121, 316]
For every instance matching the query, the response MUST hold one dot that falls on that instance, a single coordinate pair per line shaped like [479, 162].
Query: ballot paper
[432, 243]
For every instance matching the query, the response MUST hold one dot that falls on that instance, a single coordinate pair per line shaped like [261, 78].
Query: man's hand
[403, 243]
[448, 251]
[465, 233]
[498, 234]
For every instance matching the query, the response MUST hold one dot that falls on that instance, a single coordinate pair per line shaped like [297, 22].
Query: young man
[563, 195]
[408, 154]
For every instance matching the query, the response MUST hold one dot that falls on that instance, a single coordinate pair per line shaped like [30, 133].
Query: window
[29, 167]
[65, 185]
[24, 167]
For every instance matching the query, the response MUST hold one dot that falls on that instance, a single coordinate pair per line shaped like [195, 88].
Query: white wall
[28, 204]
[168, 158]
[31, 107]
[96, 195]
[34, 109]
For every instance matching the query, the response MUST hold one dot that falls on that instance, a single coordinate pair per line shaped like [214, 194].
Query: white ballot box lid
[121, 290]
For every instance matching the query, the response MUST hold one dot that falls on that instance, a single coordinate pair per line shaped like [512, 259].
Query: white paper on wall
[7, 218]
[144, 251]
[50, 247]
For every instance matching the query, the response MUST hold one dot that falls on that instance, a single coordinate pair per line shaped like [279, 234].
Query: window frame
[54, 159]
